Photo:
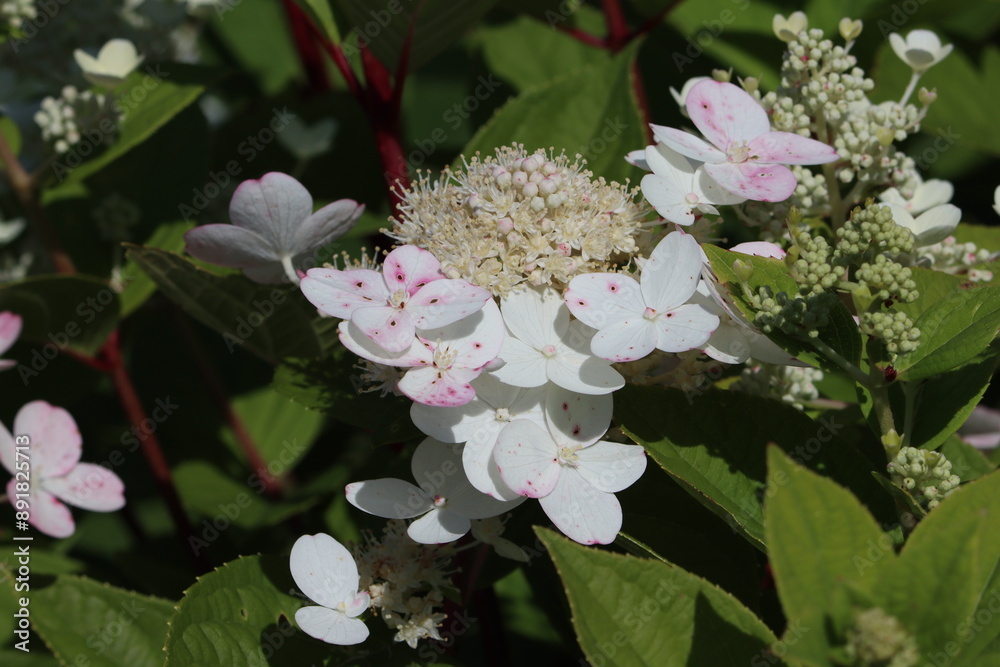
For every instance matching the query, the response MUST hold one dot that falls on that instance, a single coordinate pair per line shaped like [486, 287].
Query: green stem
[911, 391]
[832, 185]
[856, 373]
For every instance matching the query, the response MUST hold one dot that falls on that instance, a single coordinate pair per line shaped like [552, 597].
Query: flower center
[549, 351]
[567, 456]
[398, 299]
[502, 415]
[444, 356]
[439, 501]
[738, 151]
[691, 198]
[650, 313]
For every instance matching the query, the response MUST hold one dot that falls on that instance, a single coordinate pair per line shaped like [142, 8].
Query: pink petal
[47, 514]
[410, 268]
[389, 328]
[433, 386]
[582, 512]
[274, 206]
[323, 569]
[10, 329]
[725, 113]
[357, 342]
[687, 144]
[55, 439]
[760, 182]
[8, 453]
[601, 300]
[445, 301]
[88, 486]
[526, 458]
[340, 293]
[789, 148]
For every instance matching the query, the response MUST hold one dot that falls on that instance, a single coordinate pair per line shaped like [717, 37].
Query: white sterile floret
[679, 186]
[445, 500]
[441, 362]
[325, 571]
[931, 226]
[788, 29]
[926, 194]
[488, 531]
[115, 61]
[410, 293]
[544, 346]
[681, 97]
[920, 50]
[634, 318]
[573, 474]
[479, 422]
[308, 141]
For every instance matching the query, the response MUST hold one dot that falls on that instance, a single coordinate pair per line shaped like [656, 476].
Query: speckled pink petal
[55, 438]
[340, 293]
[725, 113]
[525, 455]
[789, 148]
[389, 328]
[760, 182]
[10, 329]
[47, 513]
[410, 268]
[687, 144]
[88, 486]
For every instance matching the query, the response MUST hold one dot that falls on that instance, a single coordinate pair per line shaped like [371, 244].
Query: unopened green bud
[723, 75]
[743, 270]
[850, 30]
[927, 97]
[885, 136]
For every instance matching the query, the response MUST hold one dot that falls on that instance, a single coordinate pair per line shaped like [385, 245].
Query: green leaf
[139, 287]
[824, 547]
[714, 445]
[947, 573]
[282, 429]
[966, 461]
[597, 117]
[106, 626]
[152, 96]
[945, 401]
[224, 501]
[629, 611]
[933, 286]
[250, 33]
[329, 386]
[383, 27]
[321, 14]
[78, 312]
[239, 614]
[984, 236]
[270, 321]
[841, 333]
[953, 332]
[527, 52]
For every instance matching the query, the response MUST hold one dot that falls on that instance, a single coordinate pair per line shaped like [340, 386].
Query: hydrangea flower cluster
[925, 473]
[65, 119]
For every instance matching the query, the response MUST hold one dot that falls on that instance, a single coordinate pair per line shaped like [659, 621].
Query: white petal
[525, 366]
[357, 342]
[438, 526]
[687, 144]
[389, 328]
[930, 194]
[323, 569]
[89, 486]
[610, 466]
[672, 273]
[390, 498]
[602, 299]
[454, 424]
[936, 224]
[728, 344]
[577, 419]
[685, 328]
[477, 461]
[526, 458]
[582, 512]
[476, 340]
[433, 386]
[331, 626]
[625, 341]
[340, 293]
[536, 317]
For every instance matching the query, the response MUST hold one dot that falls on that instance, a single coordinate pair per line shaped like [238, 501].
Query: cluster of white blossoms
[65, 119]
[13, 13]
[790, 384]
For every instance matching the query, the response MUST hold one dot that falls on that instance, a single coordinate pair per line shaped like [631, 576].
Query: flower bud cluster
[870, 231]
[793, 385]
[64, 119]
[925, 473]
[892, 327]
[791, 314]
[518, 218]
[813, 269]
[879, 639]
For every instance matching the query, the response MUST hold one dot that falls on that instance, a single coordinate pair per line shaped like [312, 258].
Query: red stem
[639, 90]
[583, 36]
[210, 379]
[618, 32]
[150, 445]
[309, 53]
